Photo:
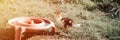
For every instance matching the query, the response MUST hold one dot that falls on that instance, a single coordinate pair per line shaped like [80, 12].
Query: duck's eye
[70, 21]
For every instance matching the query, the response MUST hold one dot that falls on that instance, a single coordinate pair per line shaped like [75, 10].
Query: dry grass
[93, 22]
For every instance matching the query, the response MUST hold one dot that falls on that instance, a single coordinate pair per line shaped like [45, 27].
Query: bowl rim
[51, 24]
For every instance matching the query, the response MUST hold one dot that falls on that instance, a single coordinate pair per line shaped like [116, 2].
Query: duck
[65, 22]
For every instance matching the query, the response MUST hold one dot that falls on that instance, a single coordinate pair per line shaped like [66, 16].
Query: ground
[94, 24]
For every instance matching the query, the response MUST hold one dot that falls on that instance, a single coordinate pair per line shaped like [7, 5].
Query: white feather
[76, 25]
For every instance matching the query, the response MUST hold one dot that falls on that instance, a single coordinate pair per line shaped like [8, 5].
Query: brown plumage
[67, 22]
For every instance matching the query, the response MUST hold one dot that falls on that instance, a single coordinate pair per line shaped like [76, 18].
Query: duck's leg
[65, 27]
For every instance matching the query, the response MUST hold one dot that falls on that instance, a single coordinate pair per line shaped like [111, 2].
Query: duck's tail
[76, 25]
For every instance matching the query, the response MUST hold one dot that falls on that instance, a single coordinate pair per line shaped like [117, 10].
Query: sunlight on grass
[95, 25]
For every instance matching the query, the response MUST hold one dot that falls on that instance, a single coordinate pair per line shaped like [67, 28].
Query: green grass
[95, 25]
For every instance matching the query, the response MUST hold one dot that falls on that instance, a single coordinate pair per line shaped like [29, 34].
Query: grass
[95, 25]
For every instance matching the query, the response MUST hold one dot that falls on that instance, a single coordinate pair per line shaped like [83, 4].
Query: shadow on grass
[31, 34]
[7, 33]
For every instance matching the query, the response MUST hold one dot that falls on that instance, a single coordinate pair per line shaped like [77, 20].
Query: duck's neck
[58, 19]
